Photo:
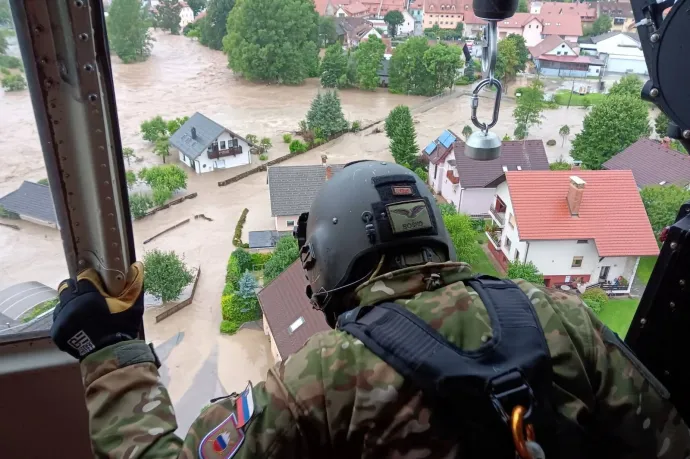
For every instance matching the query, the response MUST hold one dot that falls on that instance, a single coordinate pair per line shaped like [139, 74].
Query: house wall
[407, 27]
[504, 31]
[562, 50]
[532, 31]
[436, 176]
[563, 72]
[449, 190]
[444, 19]
[186, 16]
[207, 165]
[274, 349]
[282, 222]
[472, 31]
[570, 38]
[594, 70]
[476, 201]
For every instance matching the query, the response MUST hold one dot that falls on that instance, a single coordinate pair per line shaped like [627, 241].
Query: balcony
[498, 216]
[232, 151]
[494, 235]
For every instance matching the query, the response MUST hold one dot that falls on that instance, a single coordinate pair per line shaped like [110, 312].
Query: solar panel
[450, 138]
[430, 148]
[443, 136]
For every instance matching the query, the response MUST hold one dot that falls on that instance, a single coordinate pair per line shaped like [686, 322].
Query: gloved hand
[88, 318]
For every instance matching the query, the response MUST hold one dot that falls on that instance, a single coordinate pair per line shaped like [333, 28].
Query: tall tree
[507, 61]
[166, 275]
[368, 55]
[393, 19]
[463, 236]
[523, 6]
[273, 41]
[528, 108]
[662, 204]
[327, 33]
[564, 132]
[601, 25]
[609, 128]
[628, 85]
[466, 132]
[408, 73]
[196, 5]
[394, 119]
[128, 30]
[285, 254]
[661, 125]
[403, 143]
[213, 27]
[469, 70]
[325, 117]
[334, 67]
[168, 16]
[443, 61]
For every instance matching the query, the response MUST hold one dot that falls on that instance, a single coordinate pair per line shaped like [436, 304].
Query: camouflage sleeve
[130, 412]
[632, 406]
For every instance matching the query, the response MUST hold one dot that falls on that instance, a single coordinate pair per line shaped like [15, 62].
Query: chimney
[324, 160]
[194, 133]
[329, 171]
[575, 193]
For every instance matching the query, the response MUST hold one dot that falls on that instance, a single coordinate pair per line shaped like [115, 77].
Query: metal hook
[497, 103]
[490, 49]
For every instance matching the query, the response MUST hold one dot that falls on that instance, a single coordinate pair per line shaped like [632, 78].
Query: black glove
[88, 319]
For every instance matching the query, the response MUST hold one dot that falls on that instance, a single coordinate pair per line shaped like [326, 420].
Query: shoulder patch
[223, 441]
[245, 406]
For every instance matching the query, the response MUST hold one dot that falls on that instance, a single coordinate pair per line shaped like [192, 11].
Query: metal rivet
[106, 183]
[108, 198]
[38, 29]
[117, 258]
[93, 97]
[654, 92]
[83, 36]
[82, 262]
[654, 38]
[674, 245]
[118, 277]
[335, 221]
[114, 244]
[76, 223]
[88, 68]
[104, 165]
[681, 282]
[113, 229]
[686, 133]
[643, 321]
[672, 305]
[78, 3]
[43, 61]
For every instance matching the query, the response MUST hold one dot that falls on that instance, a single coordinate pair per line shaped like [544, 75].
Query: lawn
[617, 314]
[483, 265]
[562, 96]
[644, 269]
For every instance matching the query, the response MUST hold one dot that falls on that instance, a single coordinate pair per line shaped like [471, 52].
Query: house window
[222, 144]
[558, 53]
[582, 241]
[507, 244]
[510, 220]
[290, 223]
[577, 262]
[435, 171]
[234, 143]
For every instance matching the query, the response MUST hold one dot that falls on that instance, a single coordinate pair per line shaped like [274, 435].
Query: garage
[622, 65]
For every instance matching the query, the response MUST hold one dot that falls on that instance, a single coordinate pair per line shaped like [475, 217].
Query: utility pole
[571, 93]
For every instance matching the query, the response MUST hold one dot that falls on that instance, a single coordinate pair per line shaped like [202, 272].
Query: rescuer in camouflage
[335, 398]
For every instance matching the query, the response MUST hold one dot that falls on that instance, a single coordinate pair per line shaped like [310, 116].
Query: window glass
[577, 262]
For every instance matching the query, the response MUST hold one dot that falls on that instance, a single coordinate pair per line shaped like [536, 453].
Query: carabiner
[519, 430]
[475, 103]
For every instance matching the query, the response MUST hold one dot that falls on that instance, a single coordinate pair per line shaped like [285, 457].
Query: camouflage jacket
[334, 398]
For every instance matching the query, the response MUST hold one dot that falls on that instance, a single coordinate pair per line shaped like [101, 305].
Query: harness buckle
[508, 391]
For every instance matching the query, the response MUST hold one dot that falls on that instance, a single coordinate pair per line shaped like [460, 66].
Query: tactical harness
[477, 389]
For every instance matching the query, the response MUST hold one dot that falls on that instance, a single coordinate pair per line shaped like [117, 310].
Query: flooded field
[182, 77]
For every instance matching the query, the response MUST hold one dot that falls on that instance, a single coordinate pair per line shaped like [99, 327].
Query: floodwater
[182, 77]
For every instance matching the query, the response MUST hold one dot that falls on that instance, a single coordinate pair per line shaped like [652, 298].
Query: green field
[617, 314]
[562, 96]
[644, 269]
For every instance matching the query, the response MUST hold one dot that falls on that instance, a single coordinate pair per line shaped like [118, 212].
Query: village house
[292, 189]
[621, 52]
[586, 10]
[534, 28]
[558, 221]
[652, 163]
[355, 10]
[375, 8]
[471, 185]
[352, 31]
[186, 15]
[31, 202]
[621, 15]
[205, 145]
[557, 57]
[446, 14]
[288, 316]
[265, 241]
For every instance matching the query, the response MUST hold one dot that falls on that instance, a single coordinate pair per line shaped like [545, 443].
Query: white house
[471, 185]
[186, 15]
[205, 145]
[558, 221]
[557, 57]
[622, 52]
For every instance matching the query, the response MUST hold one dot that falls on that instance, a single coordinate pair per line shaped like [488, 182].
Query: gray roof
[652, 163]
[33, 200]
[206, 132]
[293, 188]
[266, 239]
[607, 35]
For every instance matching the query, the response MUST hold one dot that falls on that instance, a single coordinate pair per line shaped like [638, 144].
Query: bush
[10, 62]
[297, 147]
[237, 310]
[463, 81]
[8, 214]
[287, 138]
[594, 305]
[229, 328]
[13, 83]
[243, 259]
[596, 294]
[263, 157]
[560, 165]
[527, 271]
[447, 209]
[550, 105]
[229, 289]
[5, 71]
[43, 181]
[237, 238]
[422, 174]
[139, 204]
[356, 126]
[551, 142]
[39, 309]
[260, 259]
[166, 275]
[285, 254]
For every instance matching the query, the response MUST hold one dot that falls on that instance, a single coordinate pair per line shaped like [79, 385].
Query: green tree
[213, 27]
[162, 147]
[13, 83]
[334, 67]
[247, 285]
[442, 62]
[564, 132]
[403, 145]
[285, 254]
[265, 144]
[327, 33]
[128, 30]
[662, 204]
[469, 70]
[5, 13]
[520, 132]
[527, 271]
[173, 125]
[395, 118]
[447, 209]
[466, 132]
[3, 41]
[393, 19]
[628, 85]
[408, 73]
[154, 128]
[128, 154]
[611, 126]
[507, 61]
[139, 204]
[166, 275]
[521, 49]
[131, 178]
[368, 55]
[252, 139]
[273, 41]
[523, 7]
[528, 108]
[170, 177]
[168, 16]
[325, 116]
[464, 237]
[601, 25]
[661, 125]
[196, 6]
[459, 29]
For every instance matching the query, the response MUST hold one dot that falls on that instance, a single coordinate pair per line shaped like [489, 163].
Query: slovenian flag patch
[244, 405]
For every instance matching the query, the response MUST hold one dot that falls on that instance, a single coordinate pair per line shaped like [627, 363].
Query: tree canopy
[168, 16]
[400, 130]
[523, 6]
[196, 5]
[442, 62]
[601, 25]
[285, 254]
[3, 41]
[612, 126]
[408, 72]
[393, 19]
[166, 275]
[325, 117]
[661, 125]
[463, 236]
[528, 108]
[327, 33]
[628, 85]
[128, 30]
[527, 271]
[368, 55]
[164, 181]
[334, 67]
[273, 41]
[512, 58]
[662, 204]
[213, 26]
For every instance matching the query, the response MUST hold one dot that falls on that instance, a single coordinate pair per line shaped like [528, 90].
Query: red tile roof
[652, 163]
[562, 24]
[517, 20]
[284, 301]
[470, 18]
[611, 211]
[586, 11]
[355, 8]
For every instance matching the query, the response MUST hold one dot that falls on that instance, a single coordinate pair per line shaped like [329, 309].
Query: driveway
[16, 300]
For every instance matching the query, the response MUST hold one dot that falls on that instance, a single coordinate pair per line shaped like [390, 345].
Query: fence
[167, 312]
[166, 205]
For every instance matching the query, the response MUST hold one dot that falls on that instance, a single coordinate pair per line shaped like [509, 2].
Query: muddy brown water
[182, 77]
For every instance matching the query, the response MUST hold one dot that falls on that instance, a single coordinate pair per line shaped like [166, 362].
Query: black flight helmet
[366, 210]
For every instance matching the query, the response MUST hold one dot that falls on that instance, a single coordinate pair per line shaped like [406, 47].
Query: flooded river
[182, 77]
